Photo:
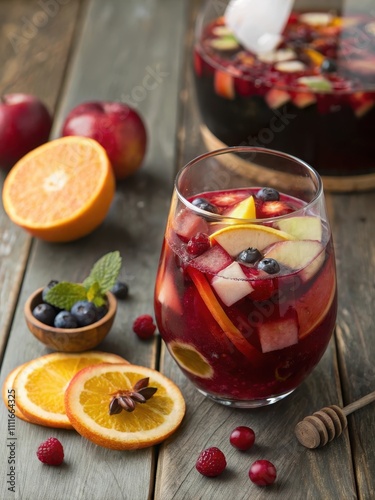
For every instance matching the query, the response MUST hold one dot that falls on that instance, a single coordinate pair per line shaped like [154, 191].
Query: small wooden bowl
[69, 339]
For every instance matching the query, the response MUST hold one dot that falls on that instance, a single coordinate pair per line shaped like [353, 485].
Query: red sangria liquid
[246, 309]
[312, 97]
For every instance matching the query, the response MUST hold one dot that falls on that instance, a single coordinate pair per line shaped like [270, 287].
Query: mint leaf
[65, 294]
[105, 272]
[94, 295]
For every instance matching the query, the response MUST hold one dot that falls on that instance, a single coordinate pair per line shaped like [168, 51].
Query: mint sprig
[101, 279]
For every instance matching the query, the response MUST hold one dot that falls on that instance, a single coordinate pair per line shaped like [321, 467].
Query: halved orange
[61, 190]
[90, 392]
[41, 383]
[9, 394]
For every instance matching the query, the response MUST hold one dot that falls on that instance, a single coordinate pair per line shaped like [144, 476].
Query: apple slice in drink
[231, 284]
[279, 334]
[306, 256]
[305, 227]
[186, 225]
[236, 238]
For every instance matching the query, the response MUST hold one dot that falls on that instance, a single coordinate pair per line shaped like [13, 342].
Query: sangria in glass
[245, 295]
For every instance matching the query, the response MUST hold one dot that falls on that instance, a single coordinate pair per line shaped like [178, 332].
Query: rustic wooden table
[70, 51]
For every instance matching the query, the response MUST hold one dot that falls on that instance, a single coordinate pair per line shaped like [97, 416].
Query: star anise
[126, 400]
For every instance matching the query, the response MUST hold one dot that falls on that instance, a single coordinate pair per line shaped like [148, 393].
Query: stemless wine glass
[245, 295]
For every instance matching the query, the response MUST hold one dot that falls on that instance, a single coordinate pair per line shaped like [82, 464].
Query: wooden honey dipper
[324, 425]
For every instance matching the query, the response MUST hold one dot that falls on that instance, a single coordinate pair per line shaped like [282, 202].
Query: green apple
[306, 227]
[305, 256]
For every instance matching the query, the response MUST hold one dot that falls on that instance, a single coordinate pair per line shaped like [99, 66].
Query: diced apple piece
[316, 83]
[313, 306]
[306, 256]
[186, 224]
[316, 18]
[213, 260]
[243, 210]
[290, 66]
[277, 56]
[224, 84]
[361, 103]
[275, 98]
[168, 295]
[302, 228]
[231, 284]
[279, 334]
[218, 313]
[304, 99]
[236, 238]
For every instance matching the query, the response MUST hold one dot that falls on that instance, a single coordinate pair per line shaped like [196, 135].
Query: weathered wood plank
[353, 225]
[34, 49]
[302, 474]
[121, 43]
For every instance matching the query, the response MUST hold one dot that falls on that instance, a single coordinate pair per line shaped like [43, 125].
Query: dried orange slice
[61, 190]
[9, 394]
[41, 383]
[90, 392]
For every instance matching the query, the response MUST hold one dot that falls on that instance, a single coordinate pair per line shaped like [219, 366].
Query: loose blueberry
[45, 313]
[120, 290]
[268, 194]
[47, 288]
[328, 66]
[84, 312]
[204, 204]
[249, 256]
[64, 319]
[270, 266]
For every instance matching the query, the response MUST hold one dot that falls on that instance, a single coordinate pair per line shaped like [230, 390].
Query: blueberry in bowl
[81, 328]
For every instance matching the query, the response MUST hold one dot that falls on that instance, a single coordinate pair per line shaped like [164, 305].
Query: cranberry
[262, 473]
[242, 438]
[198, 244]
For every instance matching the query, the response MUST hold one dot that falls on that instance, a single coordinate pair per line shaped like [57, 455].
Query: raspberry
[262, 473]
[144, 326]
[211, 462]
[198, 244]
[51, 452]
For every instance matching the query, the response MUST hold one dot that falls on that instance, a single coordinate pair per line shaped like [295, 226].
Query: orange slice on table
[61, 190]
[90, 392]
[9, 394]
[41, 383]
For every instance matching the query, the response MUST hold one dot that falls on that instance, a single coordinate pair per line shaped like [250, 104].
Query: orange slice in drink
[9, 394]
[40, 385]
[91, 391]
[61, 190]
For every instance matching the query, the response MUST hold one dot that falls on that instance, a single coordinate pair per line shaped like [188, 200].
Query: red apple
[117, 127]
[25, 124]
